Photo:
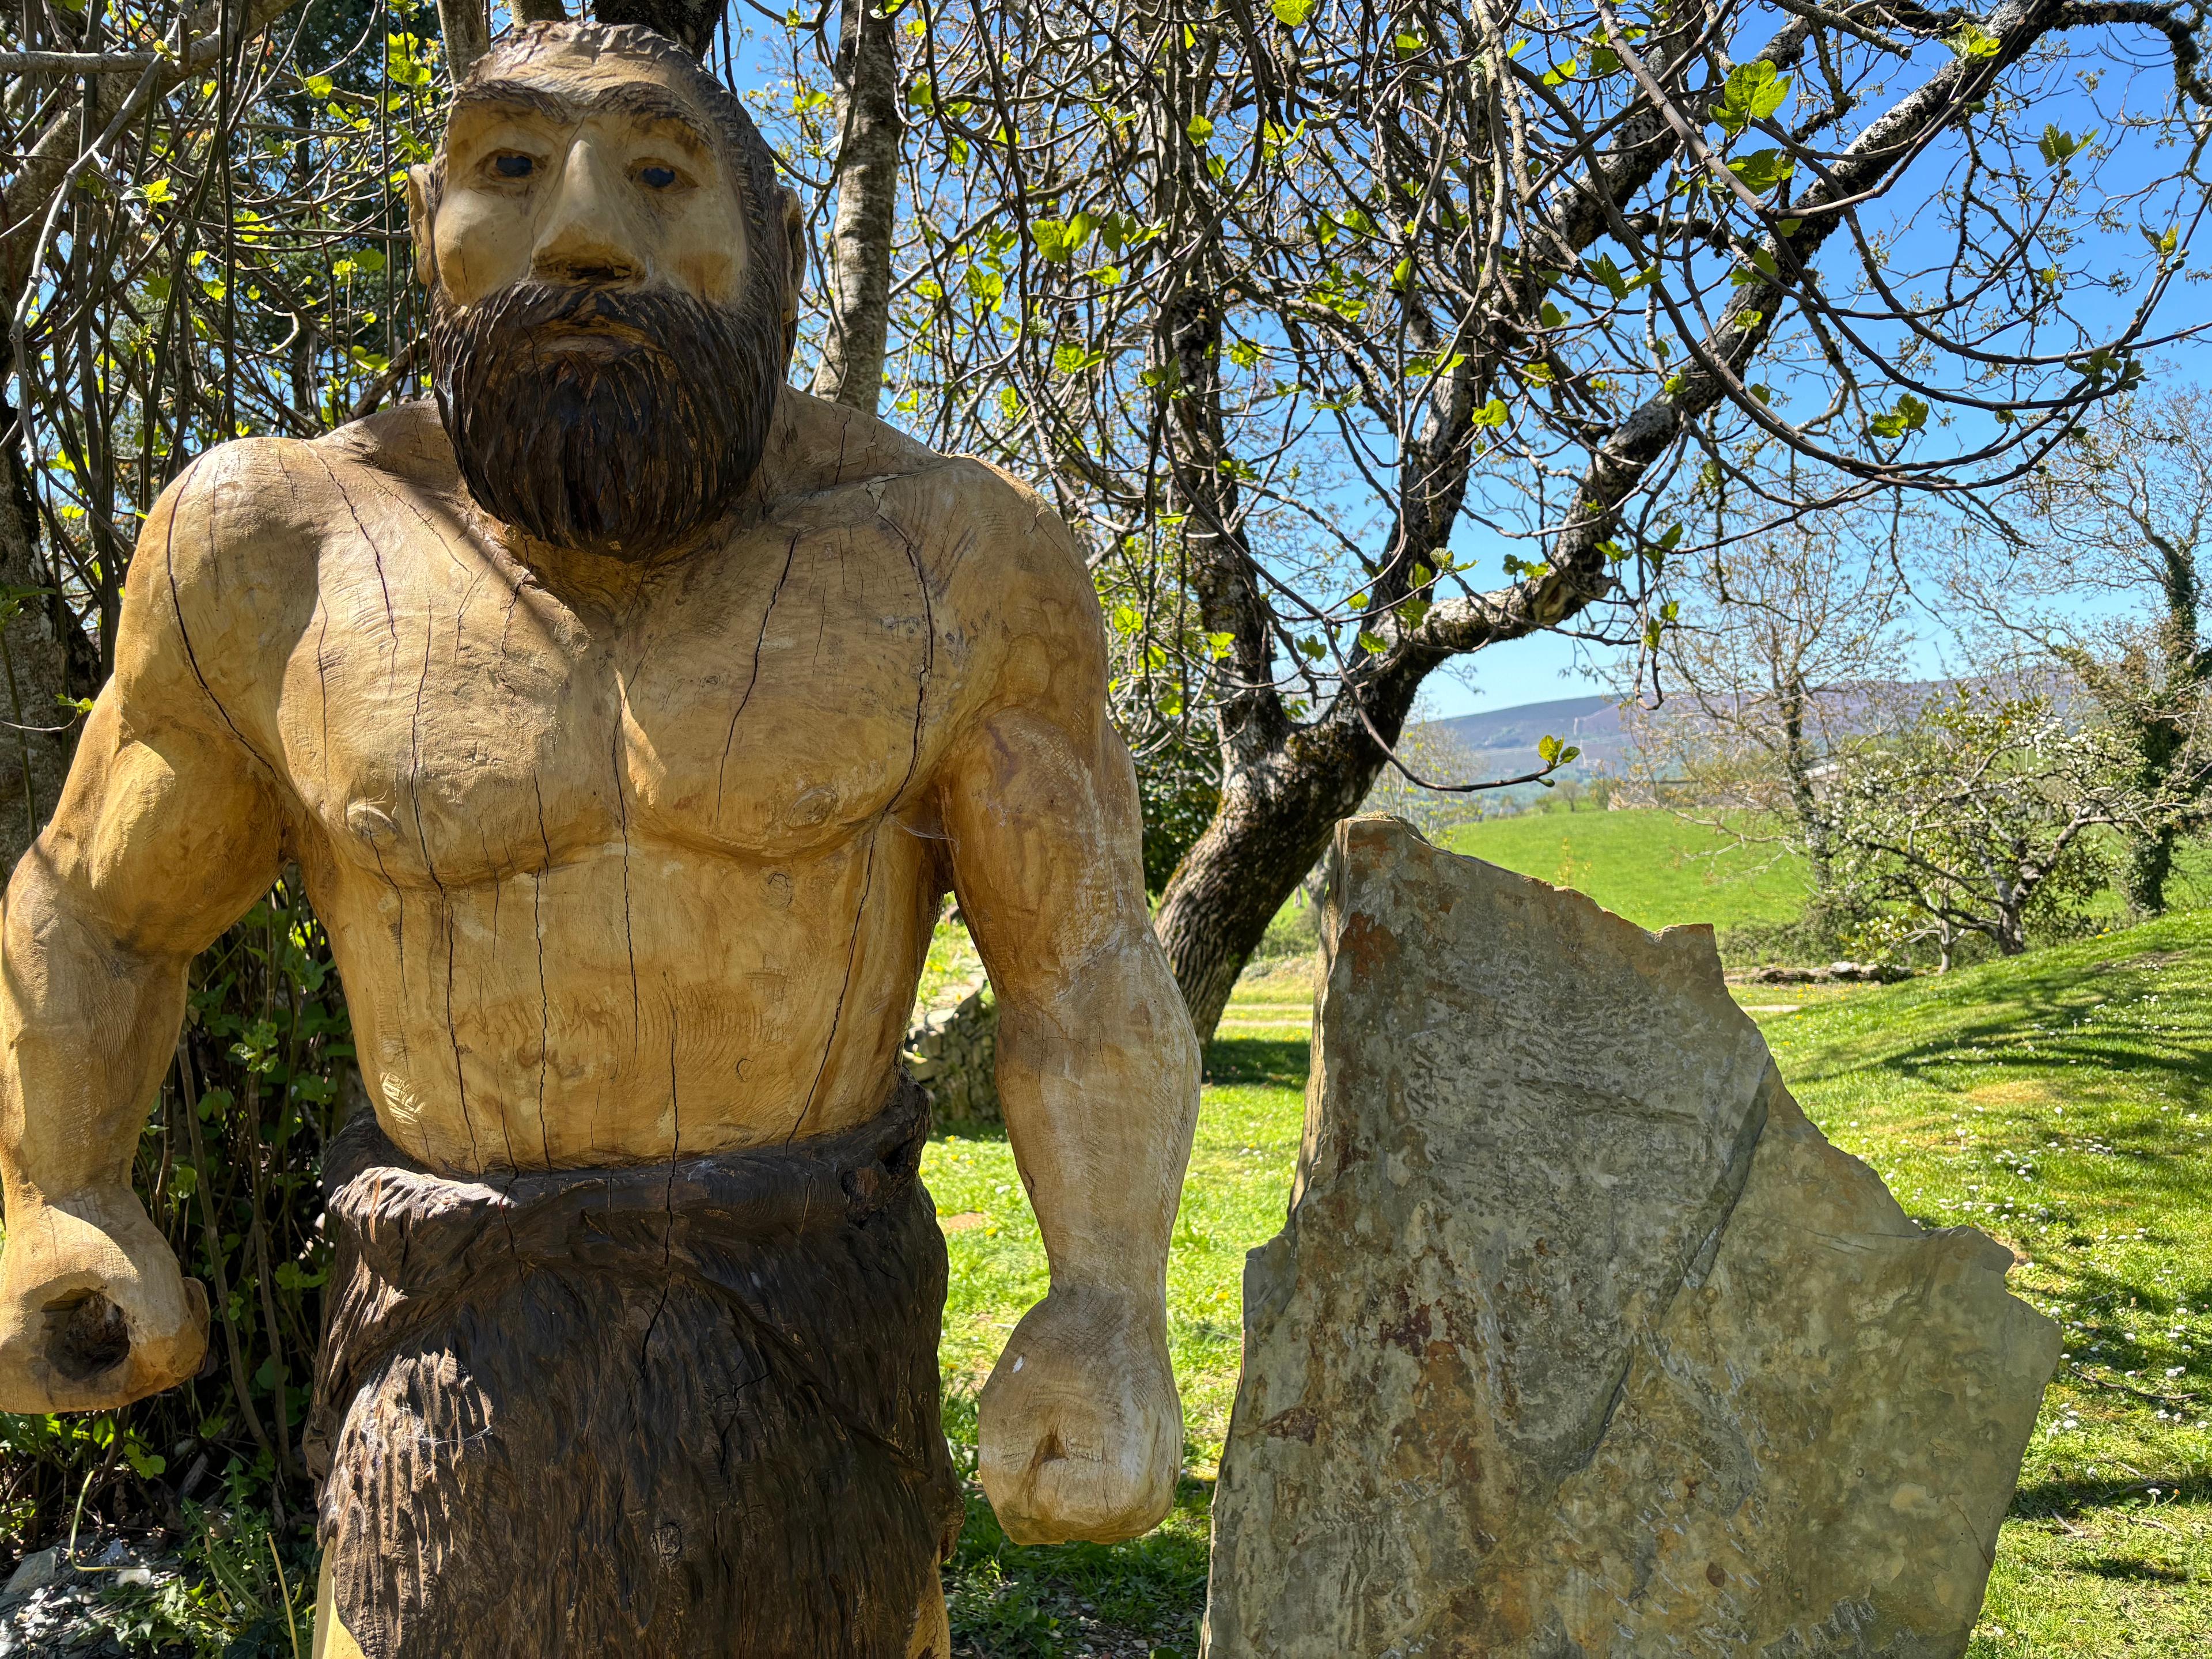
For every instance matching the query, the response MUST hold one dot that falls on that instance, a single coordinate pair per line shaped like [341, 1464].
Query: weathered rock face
[1580, 1339]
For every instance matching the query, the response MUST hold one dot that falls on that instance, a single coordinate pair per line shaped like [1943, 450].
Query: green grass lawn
[1645, 863]
[2062, 1102]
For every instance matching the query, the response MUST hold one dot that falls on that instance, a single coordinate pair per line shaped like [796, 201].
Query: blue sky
[1550, 666]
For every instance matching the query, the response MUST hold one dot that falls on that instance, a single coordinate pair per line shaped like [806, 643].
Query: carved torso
[618, 872]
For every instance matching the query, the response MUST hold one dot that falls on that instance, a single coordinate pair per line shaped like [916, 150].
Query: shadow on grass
[1280, 1062]
[2113, 1566]
[2067, 1500]
[2032, 1025]
[1011, 1601]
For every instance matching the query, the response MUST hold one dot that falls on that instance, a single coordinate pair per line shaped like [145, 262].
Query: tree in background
[1785, 646]
[1426, 750]
[1976, 817]
[201, 237]
[1281, 305]
[2105, 576]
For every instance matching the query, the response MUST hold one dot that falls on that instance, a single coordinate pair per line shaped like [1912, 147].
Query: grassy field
[2062, 1102]
[1657, 869]
[1645, 863]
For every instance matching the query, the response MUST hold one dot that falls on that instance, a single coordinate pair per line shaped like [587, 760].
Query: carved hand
[1081, 1430]
[94, 1311]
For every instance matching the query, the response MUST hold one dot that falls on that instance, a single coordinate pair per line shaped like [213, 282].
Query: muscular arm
[166, 832]
[1098, 1069]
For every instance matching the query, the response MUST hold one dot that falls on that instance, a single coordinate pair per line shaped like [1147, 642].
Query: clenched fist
[94, 1312]
[1080, 1429]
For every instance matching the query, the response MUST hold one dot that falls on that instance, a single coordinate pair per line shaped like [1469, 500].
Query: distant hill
[1502, 741]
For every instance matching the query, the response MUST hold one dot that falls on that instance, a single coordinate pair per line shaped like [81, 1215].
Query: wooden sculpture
[627, 713]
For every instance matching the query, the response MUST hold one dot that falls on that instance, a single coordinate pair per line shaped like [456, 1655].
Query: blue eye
[657, 178]
[514, 167]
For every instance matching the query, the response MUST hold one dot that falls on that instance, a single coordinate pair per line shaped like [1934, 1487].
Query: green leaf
[1291, 13]
[1970, 41]
[1608, 273]
[1199, 129]
[1374, 642]
[1753, 92]
[1762, 169]
[1909, 415]
[1492, 414]
[2059, 147]
[1565, 72]
[1059, 240]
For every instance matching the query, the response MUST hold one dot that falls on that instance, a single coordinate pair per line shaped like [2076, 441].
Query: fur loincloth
[686, 1409]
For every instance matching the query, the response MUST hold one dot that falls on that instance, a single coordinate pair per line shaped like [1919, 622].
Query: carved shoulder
[407, 441]
[1019, 586]
[224, 576]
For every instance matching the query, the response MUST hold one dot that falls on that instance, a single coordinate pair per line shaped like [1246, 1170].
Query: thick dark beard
[628, 452]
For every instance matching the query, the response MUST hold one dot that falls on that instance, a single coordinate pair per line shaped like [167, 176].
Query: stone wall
[954, 1054]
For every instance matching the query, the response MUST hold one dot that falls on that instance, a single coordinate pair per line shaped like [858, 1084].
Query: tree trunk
[859, 275]
[2145, 869]
[465, 28]
[2162, 739]
[1274, 820]
[1797, 760]
[34, 756]
[690, 23]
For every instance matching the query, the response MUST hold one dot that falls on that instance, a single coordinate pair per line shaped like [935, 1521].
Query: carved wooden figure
[627, 713]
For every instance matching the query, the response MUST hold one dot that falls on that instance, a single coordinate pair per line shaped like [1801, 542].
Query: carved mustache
[630, 449]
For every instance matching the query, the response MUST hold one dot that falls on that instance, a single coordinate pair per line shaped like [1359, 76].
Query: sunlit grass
[2062, 1102]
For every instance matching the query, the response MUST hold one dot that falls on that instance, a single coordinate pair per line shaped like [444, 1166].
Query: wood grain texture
[680, 1409]
[628, 854]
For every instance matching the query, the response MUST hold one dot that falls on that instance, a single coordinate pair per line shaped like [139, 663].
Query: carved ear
[794, 242]
[419, 186]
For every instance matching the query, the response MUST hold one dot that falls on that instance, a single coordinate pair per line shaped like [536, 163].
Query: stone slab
[1580, 1339]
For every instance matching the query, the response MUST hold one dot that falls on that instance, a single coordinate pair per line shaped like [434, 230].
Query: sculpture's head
[614, 278]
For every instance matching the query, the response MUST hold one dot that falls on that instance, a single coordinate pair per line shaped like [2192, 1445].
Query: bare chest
[445, 722]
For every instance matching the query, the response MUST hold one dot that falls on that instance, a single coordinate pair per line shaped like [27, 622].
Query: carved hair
[745, 152]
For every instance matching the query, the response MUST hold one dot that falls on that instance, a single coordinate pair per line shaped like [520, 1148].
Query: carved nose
[585, 235]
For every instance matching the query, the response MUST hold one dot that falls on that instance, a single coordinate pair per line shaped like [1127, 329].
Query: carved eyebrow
[638, 98]
[651, 103]
[494, 96]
